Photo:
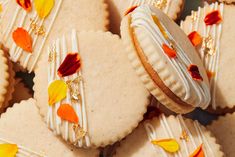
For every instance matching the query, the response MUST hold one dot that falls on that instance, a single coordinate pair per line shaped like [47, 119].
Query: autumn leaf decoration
[66, 112]
[195, 38]
[198, 152]
[57, 91]
[129, 10]
[194, 72]
[169, 51]
[70, 65]
[169, 145]
[22, 39]
[8, 150]
[25, 4]
[212, 18]
[43, 7]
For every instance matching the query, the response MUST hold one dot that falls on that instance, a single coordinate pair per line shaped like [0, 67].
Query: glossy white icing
[197, 93]
[215, 31]
[59, 48]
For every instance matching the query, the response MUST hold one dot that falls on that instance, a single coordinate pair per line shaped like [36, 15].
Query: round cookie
[215, 37]
[164, 59]
[118, 8]
[30, 126]
[184, 136]
[21, 92]
[26, 29]
[224, 131]
[87, 75]
[6, 81]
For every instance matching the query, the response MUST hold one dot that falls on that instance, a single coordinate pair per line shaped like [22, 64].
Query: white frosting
[152, 135]
[151, 2]
[23, 151]
[15, 51]
[197, 92]
[210, 61]
[53, 120]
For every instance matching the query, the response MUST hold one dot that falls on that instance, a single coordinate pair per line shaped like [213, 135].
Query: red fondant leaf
[169, 51]
[70, 65]
[213, 17]
[22, 39]
[195, 38]
[194, 71]
[66, 112]
[131, 9]
[25, 4]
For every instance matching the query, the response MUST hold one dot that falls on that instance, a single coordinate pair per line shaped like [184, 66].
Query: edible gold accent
[194, 16]
[184, 136]
[73, 86]
[79, 132]
[1, 8]
[160, 4]
[38, 30]
[208, 45]
[52, 54]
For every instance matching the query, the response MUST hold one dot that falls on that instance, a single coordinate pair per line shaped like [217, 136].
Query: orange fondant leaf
[66, 112]
[43, 7]
[57, 91]
[213, 17]
[129, 10]
[195, 38]
[210, 74]
[22, 39]
[8, 150]
[198, 152]
[194, 71]
[1, 8]
[169, 51]
[25, 4]
[169, 145]
[70, 65]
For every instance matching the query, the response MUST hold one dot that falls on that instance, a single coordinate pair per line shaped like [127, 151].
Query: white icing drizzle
[152, 135]
[15, 51]
[197, 92]
[151, 2]
[23, 151]
[53, 120]
[210, 61]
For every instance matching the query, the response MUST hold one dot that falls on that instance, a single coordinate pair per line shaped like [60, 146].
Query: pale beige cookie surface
[165, 60]
[188, 134]
[21, 92]
[225, 133]
[216, 51]
[105, 95]
[118, 8]
[23, 125]
[26, 33]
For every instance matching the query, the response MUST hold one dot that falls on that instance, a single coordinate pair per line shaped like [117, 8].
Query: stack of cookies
[117, 78]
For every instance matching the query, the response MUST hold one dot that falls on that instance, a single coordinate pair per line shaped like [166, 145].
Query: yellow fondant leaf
[8, 150]
[169, 145]
[1, 8]
[57, 91]
[43, 7]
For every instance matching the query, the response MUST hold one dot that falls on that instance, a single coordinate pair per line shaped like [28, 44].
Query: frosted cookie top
[27, 25]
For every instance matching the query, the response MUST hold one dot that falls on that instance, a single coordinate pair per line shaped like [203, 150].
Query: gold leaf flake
[38, 30]
[79, 132]
[194, 16]
[160, 4]
[73, 86]
[208, 45]
[184, 136]
[52, 54]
